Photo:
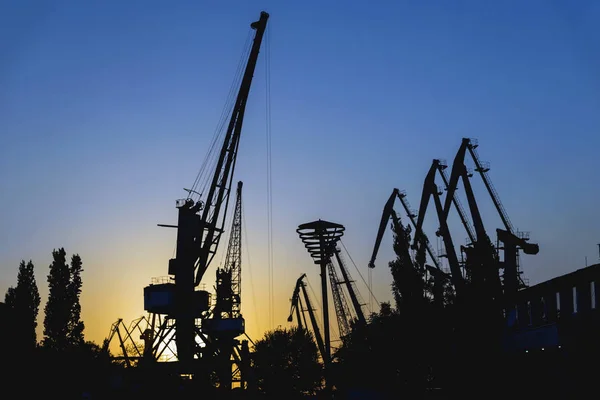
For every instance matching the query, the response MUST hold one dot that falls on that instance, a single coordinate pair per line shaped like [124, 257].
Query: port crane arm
[424, 239]
[451, 186]
[301, 286]
[388, 209]
[212, 221]
[348, 281]
[459, 171]
[296, 303]
[390, 213]
[430, 189]
[471, 146]
[528, 248]
[483, 261]
[457, 205]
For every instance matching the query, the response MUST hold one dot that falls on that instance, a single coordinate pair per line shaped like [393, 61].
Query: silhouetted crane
[199, 230]
[297, 306]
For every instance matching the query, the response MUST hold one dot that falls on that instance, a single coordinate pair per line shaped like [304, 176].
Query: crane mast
[512, 240]
[342, 311]
[228, 304]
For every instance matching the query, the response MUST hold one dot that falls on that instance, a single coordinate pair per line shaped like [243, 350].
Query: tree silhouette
[25, 302]
[62, 323]
[10, 297]
[286, 363]
[76, 326]
[408, 285]
[360, 360]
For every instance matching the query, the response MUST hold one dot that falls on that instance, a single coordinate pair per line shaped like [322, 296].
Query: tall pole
[324, 261]
[320, 238]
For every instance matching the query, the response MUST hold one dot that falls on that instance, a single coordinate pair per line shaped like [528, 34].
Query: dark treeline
[433, 344]
[427, 345]
[62, 364]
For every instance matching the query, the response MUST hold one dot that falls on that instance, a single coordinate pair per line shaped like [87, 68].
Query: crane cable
[256, 314]
[361, 277]
[336, 334]
[203, 177]
[317, 300]
[269, 175]
[211, 157]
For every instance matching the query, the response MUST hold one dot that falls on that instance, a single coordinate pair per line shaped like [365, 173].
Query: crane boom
[388, 213]
[218, 196]
[411, 216]
[482, 259]
[360, 316]
[198, 235]
[430, 189]
[459, 208]
[387, 210]
[301, 286]
[471, 145]
[342, 312]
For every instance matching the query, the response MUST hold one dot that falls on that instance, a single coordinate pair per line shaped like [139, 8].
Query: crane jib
[218, 196]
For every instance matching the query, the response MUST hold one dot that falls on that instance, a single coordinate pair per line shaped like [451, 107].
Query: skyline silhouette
[107, 112]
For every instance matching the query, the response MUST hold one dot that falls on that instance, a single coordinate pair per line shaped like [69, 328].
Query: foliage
[62, 323]
[286, 363]
[10, 297]
[71, 371]
[75, 325]
[24, 300]
[57, 310]
[408, 285]
[362, 361]
[394, 352]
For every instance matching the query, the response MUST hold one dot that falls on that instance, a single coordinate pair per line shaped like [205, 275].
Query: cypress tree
[76, 326]
[58, 307]
[24, 299]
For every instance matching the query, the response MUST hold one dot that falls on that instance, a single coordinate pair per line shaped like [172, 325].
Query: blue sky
[107, 109]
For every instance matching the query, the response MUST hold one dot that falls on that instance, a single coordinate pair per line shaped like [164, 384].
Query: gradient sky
[107, 109]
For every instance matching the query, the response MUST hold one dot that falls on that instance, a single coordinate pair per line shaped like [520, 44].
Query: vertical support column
[182, 267]
[320, 239]
[244, 365]
[327, 357]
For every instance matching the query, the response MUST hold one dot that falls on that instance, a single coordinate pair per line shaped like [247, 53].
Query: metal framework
[301, 319]
[342, 311]
[320, 238]
[205, 334]
[229, 279]
[355, 297]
